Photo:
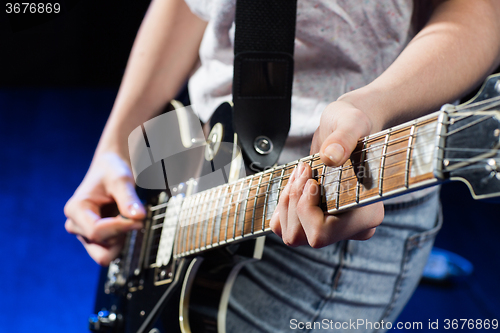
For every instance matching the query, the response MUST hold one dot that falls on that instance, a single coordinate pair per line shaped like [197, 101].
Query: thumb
[347, 130]
[129, 204]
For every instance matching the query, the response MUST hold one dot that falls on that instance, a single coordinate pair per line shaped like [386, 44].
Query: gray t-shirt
[340, 45]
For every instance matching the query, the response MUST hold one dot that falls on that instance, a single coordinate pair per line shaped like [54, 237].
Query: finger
[82, 216]
[311, 215]
[364, 235]
[295, 235]
[283, 202]
[84, 219]
[103, 230]
[123, 191]
[103, 255]
[275, 222]
[339, 144]
[350, 224]
[111, 227]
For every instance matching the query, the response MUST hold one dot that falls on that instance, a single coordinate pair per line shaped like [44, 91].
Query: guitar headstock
[472, 149]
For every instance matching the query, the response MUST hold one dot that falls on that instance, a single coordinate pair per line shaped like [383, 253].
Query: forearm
[164, 53]
[448, 57]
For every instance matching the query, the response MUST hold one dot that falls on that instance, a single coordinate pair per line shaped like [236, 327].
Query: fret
[382, 163]
[322, 179]
[225, 203]
[381, 166]
[339, 180]
[190, 224]
[255, 203]
[191, 217]
[395, 160]
[216, 208]
[408, 154]
[348, 183]
[266, 197]
[246, 205]
[318, 170]
[218, 216]
[360, 173]
[229, 211]
[207, 218]
[372, 161]
[198, 219]
[193, 224]
[236, 211]
[184, 224]
[281, 181]
[273, 193]
[178, 241]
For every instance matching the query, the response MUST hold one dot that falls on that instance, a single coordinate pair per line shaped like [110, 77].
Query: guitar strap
[263, 74]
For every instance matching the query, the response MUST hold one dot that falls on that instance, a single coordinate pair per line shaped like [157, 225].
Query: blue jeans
[318, 290]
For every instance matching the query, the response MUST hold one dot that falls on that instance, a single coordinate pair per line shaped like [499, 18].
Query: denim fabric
[341, 283]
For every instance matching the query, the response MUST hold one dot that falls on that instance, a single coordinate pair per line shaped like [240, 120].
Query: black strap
[263, 74]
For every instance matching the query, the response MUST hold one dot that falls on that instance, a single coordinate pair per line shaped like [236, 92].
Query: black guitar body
[189, 294]
[131, 308]
[175, 275]
[207, 280]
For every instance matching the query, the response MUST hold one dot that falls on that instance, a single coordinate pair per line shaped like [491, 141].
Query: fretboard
[383, 165]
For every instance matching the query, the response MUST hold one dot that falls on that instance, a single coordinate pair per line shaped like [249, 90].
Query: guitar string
[311, 160]
[230, 214]
[316, 156]
[238, 231]
[274, 180]
[271, 192]
[345, 169]
[271, 179]
[315, 167]
[421, 124]
[378, 147]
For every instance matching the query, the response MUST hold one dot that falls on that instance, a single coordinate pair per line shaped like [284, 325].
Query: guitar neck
[389, 163]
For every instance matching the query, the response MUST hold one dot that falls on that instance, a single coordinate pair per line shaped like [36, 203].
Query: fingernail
[335, 153]
[134, 209]
[312, 190]
[300, 169]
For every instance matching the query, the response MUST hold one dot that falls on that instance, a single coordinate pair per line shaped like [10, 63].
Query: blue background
[58, 82]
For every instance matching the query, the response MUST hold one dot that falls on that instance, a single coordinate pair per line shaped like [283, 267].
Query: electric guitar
[180, 267]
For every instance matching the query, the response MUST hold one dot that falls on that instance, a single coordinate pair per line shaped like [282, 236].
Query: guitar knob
[103, 321]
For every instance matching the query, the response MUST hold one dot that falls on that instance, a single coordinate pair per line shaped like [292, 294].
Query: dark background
[58, 81]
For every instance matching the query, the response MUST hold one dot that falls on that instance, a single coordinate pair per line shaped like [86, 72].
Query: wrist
[113, 142]
[371, 104]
